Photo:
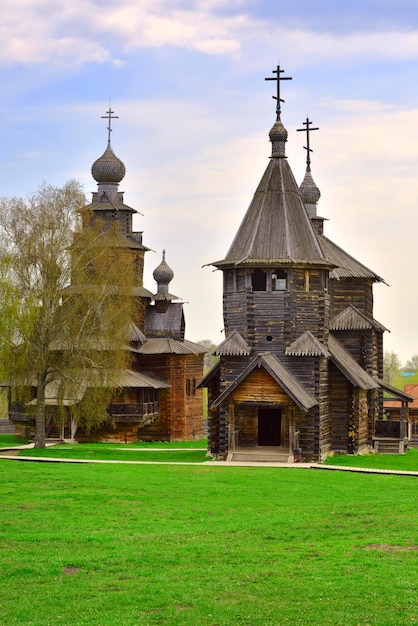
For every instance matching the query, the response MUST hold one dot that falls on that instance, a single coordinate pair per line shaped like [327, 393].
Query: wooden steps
[390, 445]
[262, 454]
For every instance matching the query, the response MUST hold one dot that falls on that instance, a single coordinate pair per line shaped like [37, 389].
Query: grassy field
[408, 461]
[169, 545]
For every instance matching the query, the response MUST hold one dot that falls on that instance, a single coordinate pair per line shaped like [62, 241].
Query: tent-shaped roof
[276, 228]
[280, 374]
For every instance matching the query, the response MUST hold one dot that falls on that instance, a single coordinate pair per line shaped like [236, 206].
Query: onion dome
[163, 274]
[278, 138]
[310, 192]
[108, 168]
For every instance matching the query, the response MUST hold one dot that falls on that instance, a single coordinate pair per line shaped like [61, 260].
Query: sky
[186, 79]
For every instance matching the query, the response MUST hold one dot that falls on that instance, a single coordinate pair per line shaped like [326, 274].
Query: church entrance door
[269, 427]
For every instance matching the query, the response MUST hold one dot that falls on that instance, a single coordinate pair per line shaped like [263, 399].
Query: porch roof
[280, 374]
[394, 391]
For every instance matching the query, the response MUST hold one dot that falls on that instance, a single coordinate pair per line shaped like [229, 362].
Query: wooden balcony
[144, 412]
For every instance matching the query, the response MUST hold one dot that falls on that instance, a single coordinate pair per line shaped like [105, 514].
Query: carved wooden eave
[307, 345]
[353, 319]
[234, 345]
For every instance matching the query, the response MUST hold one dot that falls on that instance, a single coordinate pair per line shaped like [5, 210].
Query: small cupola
[108, 170]
[163, 275]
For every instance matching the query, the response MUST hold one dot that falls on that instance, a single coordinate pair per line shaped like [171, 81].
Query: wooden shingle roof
[346, 265]
[276, 228]
[353, 319]
[167, 345]
[233, 345]
[306, 345]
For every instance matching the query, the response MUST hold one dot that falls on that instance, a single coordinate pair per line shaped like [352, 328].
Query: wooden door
[269, 427]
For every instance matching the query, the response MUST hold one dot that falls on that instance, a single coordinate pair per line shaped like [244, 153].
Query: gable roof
[357, 376]
[234, 345]
[280, 374]
[353, 319]
[306, 345]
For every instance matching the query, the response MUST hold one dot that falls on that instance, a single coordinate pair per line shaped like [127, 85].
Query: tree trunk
[40, 415]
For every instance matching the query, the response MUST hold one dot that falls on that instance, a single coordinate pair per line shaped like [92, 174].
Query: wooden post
[231, 427]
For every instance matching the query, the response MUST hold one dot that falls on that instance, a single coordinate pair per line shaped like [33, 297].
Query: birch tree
[65, 302]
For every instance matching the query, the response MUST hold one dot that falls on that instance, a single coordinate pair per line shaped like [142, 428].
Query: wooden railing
[133, 412]
[388, 428]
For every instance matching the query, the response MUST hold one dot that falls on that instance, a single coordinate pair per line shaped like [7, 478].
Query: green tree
[412, 364]
[209, 359]
[65, 302]
[391, 366]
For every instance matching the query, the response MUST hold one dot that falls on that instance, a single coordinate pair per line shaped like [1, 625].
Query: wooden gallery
[300, 371]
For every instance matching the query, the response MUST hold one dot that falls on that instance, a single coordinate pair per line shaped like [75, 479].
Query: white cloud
[41, 31]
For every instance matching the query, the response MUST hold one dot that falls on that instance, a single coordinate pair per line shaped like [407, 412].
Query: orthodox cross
[278, 78]
[110, 117]
[307, 147]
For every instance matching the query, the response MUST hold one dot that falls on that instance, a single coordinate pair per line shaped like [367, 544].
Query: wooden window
[259, 280]
[191, 386]
[279, 280]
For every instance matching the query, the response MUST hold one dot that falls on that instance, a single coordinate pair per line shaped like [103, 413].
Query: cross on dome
[110, 117]
[308, 149]
[278, 78]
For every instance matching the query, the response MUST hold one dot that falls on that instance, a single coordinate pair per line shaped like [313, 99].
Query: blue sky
[187, 82]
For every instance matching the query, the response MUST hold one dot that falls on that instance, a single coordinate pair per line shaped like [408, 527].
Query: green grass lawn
[184, 452]
[116, 452]
[127, 545]
[408, 461]
[11, 440]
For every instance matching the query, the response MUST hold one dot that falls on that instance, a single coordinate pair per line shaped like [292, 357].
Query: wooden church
[157, 399]
[300, 371]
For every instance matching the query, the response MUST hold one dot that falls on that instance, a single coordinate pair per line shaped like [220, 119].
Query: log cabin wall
[341, 409]
[325, 416]
[355, 291]
[359, 432]
[308, 426]
[270, 320]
